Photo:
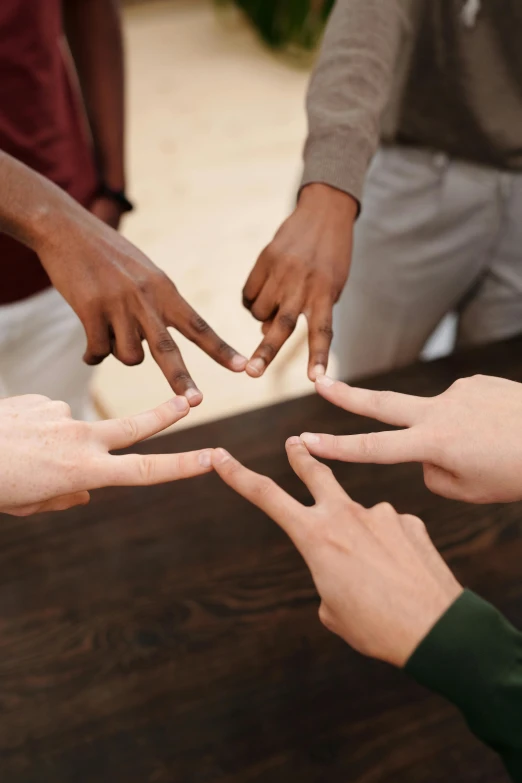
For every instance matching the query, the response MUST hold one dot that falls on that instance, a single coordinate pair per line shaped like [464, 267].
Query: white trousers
[435, 236]
[41, 346]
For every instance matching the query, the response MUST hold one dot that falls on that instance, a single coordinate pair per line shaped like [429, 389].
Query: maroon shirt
[41, 123]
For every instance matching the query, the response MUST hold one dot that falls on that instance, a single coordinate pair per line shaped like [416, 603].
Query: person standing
[62, 114]
[435, 85]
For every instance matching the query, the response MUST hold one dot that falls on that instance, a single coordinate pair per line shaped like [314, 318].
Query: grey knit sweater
[439, 74]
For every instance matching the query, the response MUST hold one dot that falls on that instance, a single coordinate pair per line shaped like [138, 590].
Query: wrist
[421, 622]
[117, 197]
[112, 174]
[329, 202]
[48, 221]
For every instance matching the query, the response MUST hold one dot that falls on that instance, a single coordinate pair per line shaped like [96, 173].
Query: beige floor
[216, 125]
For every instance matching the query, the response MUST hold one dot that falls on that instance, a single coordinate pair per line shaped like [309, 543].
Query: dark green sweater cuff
[473, 657]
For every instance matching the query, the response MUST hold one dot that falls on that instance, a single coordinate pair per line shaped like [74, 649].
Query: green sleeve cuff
[473, 657]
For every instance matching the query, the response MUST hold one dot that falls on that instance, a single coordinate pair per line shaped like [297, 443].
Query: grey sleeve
[349, 89]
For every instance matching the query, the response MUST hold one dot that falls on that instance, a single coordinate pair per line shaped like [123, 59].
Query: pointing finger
[401, 410]
[121, 433]
[148, 469]
[318, 477]
[385, 448]
[262, 492]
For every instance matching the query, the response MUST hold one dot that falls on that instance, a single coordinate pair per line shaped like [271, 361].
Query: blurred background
[216, 124]
[215, 128]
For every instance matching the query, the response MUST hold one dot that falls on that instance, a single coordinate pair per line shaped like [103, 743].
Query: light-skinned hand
[468, 439]
[49, 461]
[382, 583]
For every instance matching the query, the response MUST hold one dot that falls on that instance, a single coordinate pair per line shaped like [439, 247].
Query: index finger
[384, 448]
[262, 492]
[318, 477]
[400, 410]
[282, 327]
[147, 469]
[168, 357]
[320, 335]
[187, 321]
[121, 433]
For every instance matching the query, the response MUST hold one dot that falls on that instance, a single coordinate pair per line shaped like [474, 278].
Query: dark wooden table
[170, 635]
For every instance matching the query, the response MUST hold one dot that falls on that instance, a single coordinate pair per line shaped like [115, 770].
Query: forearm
[93, 29]
[473, 657]
[31, 206]
[349, 89]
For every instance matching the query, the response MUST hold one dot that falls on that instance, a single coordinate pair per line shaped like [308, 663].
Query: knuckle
[130, 428]
[263, 488]
[165, 344]
[384, 509]
[321, 470]
[146, 469]
[380, 400]
[62, 408]
[92, 359]
[463, 383]
[131, 356]
[91, 302]
[199, 325]
[264, 312]
[148, 284]
[287, 321]
[113, 299]
[325, 617]
[325, 329]
[370, 444]
[287, 259]
[181, 377]
[430, 478]
[414, 524]
[41, 399]
[247, 301]
[335, 444]
[267, 255]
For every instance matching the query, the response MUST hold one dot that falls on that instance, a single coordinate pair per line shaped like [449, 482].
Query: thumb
[442, 482]
[60, 503]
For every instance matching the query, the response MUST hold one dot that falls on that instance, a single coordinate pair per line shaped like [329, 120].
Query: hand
[303, 270]
[48, 461]
[383, 585]
[106, 210]
[121, 298]
[468, 438]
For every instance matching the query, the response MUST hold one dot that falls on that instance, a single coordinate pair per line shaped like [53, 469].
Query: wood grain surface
[170, 634]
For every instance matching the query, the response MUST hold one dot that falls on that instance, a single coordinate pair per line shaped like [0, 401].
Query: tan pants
[435, 236]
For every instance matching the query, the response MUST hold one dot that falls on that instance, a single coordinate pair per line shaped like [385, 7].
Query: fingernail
[309, 437]
[324, 380]
[205, 459]
[221, 456]
[192, 393]
[180, 403]
[238, 362]
[256, 366]
[293, 441]
[318, 370]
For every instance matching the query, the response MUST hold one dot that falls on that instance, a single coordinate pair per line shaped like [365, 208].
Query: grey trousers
[435, 236]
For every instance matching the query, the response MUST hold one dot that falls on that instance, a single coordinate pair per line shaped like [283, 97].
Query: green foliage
[286, 24]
